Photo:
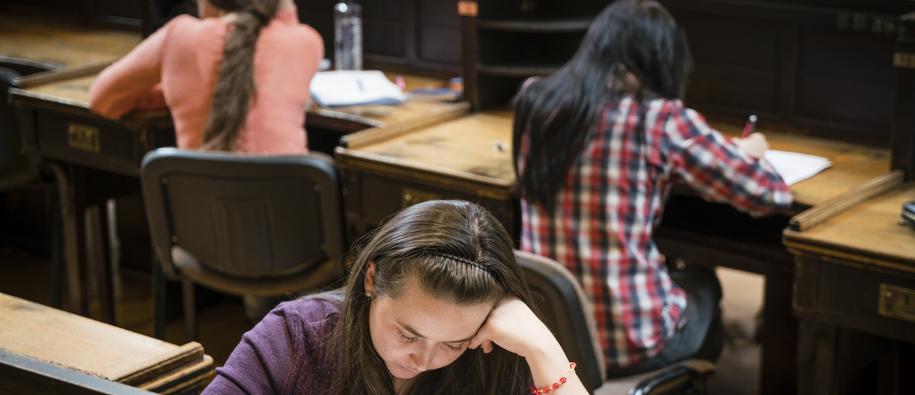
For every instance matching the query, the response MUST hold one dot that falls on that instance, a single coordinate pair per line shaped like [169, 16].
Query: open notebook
[795, 167]
[352, 88]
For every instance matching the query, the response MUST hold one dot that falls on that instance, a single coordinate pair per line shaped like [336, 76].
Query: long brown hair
[422, 242]
[235, 90]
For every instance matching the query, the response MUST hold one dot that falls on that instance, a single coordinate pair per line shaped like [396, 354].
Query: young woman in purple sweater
[435, 304]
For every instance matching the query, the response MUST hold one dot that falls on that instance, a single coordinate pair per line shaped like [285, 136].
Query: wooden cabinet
[414, 36]
[854, 293]
[468, 158]
[509, 41]
[815, 66]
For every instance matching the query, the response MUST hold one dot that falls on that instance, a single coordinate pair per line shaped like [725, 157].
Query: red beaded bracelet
[552, 387]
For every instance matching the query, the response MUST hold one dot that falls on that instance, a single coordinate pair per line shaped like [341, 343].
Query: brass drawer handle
[410, 197]
[83, 137]
[896, 302]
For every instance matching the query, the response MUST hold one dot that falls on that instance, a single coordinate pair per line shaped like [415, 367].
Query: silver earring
[369, 295]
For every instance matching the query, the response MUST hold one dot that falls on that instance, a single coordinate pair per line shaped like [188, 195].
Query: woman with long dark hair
[235, 80]
[600, 142]
[435, 303]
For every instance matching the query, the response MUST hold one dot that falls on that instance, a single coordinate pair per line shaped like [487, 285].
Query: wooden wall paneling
[438, 35]
[120, 13]
[845, 82]
[319, 14]
[738, 63]
[903, 141]
[387, 27]
[816, 67]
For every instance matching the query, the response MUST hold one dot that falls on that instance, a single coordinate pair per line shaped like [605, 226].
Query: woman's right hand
[754, 145]
[513, 326]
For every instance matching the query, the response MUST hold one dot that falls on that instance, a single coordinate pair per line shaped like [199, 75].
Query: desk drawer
[96, 143]
[863, 297]
[371, 198]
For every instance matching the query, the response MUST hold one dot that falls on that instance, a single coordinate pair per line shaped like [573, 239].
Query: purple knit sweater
[285, 352]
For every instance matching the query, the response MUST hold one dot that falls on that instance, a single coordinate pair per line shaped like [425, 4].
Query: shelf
[516, 71]
[535, 26]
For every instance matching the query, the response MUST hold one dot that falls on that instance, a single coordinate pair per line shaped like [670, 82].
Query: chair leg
[158, 296]
[56, 271]
[190, 310]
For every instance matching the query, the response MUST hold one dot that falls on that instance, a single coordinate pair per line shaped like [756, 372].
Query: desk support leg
[779, 337]
[97, 229]
[58, 254]
[190, 309]
[158, 296]
[72, 207]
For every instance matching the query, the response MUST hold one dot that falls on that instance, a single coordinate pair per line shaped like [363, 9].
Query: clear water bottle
[348, 36]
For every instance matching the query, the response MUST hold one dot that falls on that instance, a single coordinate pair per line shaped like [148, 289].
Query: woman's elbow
[103, 104]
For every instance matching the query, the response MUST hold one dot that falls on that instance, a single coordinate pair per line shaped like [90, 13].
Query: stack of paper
[351, 88]
[795, 167]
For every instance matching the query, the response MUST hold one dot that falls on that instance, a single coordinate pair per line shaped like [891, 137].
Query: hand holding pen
[752, 143]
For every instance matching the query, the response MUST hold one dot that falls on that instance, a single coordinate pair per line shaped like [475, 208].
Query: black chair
[242, 224]
[567, 313]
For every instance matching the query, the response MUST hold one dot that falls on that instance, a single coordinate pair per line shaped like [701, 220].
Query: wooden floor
[25, 274]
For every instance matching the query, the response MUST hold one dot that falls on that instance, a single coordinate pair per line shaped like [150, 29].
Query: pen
[750, 127]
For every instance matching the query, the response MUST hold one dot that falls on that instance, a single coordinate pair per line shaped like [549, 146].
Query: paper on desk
[350, 88]
[795, 167]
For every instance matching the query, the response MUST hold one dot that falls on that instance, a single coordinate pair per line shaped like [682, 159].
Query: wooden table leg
[778, 336]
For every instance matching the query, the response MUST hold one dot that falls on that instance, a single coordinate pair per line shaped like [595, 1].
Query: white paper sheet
[795, 167]
[350, 88]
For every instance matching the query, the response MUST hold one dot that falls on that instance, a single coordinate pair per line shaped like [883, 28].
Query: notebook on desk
[353, 88]
[795, 167]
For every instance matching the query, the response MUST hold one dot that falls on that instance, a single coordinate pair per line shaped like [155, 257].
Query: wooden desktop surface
[62, 45]
[73, 92]
[476, 147]
[466, 147]
[80, 343]
[869, 233]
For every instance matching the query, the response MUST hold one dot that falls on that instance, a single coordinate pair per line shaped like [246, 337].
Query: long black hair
[557, 113]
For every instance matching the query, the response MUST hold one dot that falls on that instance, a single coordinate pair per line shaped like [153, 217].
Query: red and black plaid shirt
[601, 227]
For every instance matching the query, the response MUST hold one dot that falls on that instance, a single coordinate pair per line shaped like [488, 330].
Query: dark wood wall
[818, 66]
[117, 13]
[822, 67]
[418, 36]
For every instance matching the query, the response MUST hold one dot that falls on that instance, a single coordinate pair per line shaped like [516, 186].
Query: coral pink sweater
[178, 65]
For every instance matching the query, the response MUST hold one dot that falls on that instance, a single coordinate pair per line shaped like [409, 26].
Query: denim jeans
[702, 336]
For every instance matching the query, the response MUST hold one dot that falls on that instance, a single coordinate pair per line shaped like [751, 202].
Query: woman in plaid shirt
[600, 143]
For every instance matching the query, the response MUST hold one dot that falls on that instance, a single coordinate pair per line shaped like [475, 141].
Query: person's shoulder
[313, 310]
[305, 34]
[189, 27]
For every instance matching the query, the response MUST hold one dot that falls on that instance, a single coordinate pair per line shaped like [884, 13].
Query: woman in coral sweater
[235, 80]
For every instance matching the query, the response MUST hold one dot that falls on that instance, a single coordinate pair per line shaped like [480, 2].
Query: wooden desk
[855, 278]
[387, 169]
[49, 48]
[78, 343]
[326, 126]
[97, 159]
[718, 235]
[101, 160]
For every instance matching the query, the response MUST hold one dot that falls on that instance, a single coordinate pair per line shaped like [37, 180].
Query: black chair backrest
[564, 309]
[243, 216]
